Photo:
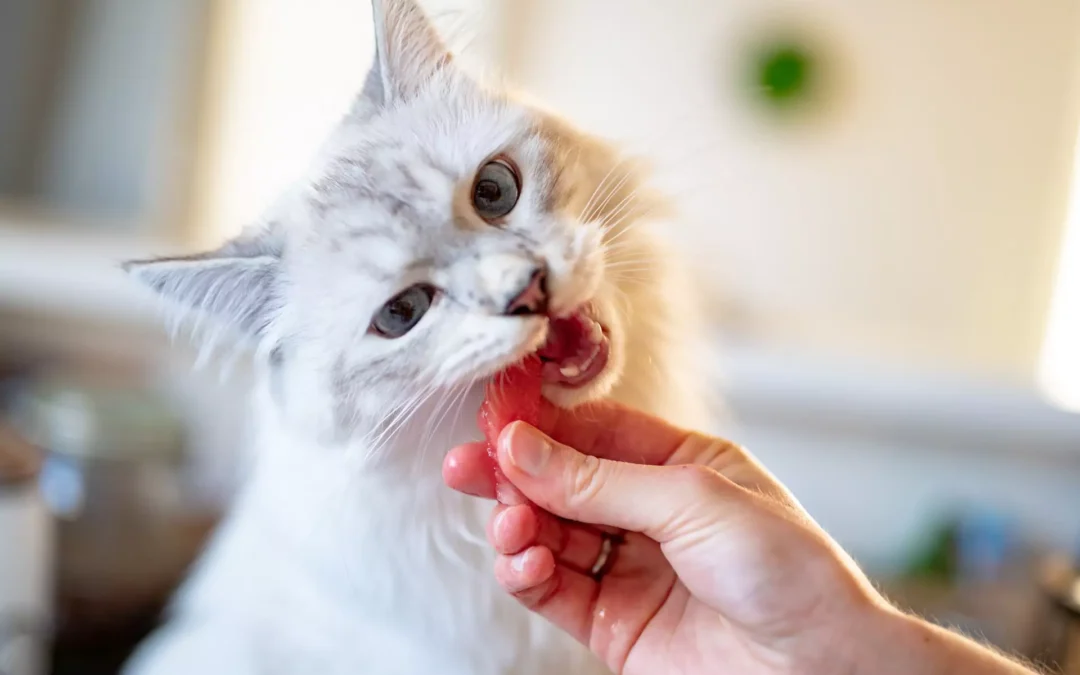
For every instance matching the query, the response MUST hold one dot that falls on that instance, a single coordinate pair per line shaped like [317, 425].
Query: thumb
[660, 502]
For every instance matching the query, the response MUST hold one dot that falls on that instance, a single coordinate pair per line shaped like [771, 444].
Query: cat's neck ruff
[294, 435]
[387, 542]
[355, 567]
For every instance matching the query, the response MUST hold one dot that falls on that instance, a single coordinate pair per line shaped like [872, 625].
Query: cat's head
[444, 232]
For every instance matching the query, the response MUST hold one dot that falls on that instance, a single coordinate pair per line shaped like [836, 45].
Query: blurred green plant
[784, 73]
[936, 559]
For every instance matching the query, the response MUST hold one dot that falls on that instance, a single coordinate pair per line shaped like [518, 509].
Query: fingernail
[517, 563]
[529, 449]
[497, 526]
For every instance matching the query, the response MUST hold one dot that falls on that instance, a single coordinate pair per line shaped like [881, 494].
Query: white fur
[320, 570]
[344, 552]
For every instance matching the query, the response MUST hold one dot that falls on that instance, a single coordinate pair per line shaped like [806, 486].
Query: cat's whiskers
[399, 415]
[629, 271]
[456, 416]
[620, 253]
[586, 212]
[625, 265]
[613, 253]
[637, 277]
[462, 531]
[429, 424]
[449, 548]
[618, 213]
[633, 275]
[626, 256]
[406, 410]
[614, 190]
[626, 222]
[623, 228]
[617, 246]
[456, 393]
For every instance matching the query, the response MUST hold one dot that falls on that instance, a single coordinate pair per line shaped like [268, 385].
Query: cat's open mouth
[576, 351]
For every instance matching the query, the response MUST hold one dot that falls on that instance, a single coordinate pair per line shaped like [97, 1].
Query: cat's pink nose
[533, 299]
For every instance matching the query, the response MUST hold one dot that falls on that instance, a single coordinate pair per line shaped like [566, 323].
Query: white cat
[438, 235]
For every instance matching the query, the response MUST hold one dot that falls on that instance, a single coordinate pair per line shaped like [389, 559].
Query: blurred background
[880, 204]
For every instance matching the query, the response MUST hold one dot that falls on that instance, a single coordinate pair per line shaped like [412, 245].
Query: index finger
[610, 430]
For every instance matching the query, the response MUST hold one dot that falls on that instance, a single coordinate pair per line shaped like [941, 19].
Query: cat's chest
[351, 572]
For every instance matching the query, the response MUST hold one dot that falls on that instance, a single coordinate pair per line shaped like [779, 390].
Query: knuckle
[587, 480]
[537, 597]
[702, 480]
[719, 454]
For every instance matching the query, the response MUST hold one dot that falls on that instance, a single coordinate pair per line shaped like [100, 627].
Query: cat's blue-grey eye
[496, 190]
[403, 311]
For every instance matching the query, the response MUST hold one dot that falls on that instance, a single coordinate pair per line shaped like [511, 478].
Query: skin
[720, 569]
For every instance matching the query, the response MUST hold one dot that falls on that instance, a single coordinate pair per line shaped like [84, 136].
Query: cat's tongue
[576, 351]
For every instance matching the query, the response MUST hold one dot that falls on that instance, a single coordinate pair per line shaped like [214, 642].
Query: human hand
[719, 570]
[713, 545]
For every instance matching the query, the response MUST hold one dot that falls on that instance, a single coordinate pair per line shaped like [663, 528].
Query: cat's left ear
[235, 286]
[408, 52]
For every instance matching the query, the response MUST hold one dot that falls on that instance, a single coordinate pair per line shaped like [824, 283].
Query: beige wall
[916, 222]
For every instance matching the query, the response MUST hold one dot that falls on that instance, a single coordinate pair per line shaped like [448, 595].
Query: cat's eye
[403, 311]
[496, 190]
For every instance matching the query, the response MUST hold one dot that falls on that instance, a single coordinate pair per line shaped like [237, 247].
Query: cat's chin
[571, 397]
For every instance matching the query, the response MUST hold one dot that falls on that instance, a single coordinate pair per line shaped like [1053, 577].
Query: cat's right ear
[408, 53]
[235, 287]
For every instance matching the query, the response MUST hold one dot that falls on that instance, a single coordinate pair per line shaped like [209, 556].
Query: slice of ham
[574, 353]
[511, 396]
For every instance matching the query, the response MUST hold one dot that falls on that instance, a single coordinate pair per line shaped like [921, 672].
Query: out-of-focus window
[98, 106]
[1059, 371]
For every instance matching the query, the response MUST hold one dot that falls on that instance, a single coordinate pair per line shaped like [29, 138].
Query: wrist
[886, 641]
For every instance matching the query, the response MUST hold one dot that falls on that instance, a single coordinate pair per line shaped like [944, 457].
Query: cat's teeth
[589, 361]
[596, 333]
[570, 370]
